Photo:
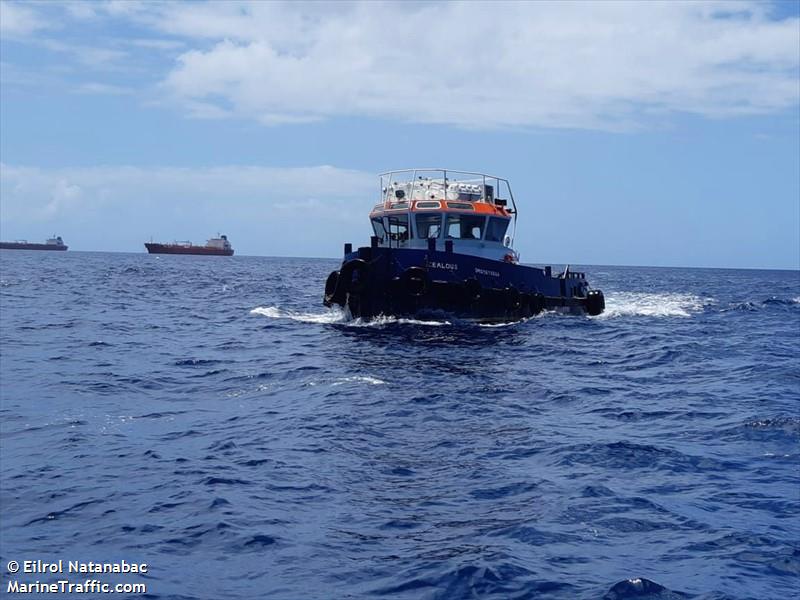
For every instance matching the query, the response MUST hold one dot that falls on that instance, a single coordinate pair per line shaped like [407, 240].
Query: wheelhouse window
[496, 229]
[460, 205]
[378, 228]
[428, 205]
[429, 226]
[465, 227]
[398, 228]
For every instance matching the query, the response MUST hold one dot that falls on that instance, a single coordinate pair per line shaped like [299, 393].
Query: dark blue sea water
[209, 417]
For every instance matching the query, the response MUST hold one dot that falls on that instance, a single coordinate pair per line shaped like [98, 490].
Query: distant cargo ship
[54, 243]
[214, 247]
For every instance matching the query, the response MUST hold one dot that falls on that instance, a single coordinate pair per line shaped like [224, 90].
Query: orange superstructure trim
[483, 208]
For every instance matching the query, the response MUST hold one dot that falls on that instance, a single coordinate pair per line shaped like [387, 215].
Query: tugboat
[219, 246]
[53, 243]
[441, 246]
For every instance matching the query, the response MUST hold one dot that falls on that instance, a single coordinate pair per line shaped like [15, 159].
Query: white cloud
[595, 65]
[81, 10]
[19, 20]
[103, 89]
[305, 210]
[157, 44]
[585, 65]
[94, 57]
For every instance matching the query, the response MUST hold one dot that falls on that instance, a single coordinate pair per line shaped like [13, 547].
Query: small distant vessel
[440, 245]
[53, 243]
[218, 246]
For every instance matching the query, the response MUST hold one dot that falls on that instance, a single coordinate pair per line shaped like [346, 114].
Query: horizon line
[537, 263]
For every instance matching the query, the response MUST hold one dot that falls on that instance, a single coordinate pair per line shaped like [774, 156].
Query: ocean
[209, 417]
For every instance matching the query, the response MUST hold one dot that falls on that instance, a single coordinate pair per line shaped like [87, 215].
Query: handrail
[444, 172]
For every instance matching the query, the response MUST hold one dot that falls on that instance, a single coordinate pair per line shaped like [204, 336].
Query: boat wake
[329, 316]
[642, 304]
[338, 316]
[618, 304]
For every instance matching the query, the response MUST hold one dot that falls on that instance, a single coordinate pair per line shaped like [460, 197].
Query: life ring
[472, 289]
[415, 281]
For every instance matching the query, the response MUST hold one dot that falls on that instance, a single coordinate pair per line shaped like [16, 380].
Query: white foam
[618, 304]
[418, 322]
[505, 323]
[359, 379]
[625, 304]
[330, 316]
[338, 316]
[383, 320]
[796, 300]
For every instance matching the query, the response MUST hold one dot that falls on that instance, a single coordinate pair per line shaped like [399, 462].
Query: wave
[618, 304]
[359, 379]
[642, 304]
[776, 300]
[785, 424]
[338, 316]
[752, 306]
[505, 323]
[642, 589]
[386, 320]
[331, 316]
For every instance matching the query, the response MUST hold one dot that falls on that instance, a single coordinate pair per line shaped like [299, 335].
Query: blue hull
[416, 282]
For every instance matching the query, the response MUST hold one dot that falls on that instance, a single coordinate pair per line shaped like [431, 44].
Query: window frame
[489, 224]
[397, 219]
[429, 217]
[457, 218]
[380, 221]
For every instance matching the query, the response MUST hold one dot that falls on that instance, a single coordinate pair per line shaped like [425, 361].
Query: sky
[633, 133]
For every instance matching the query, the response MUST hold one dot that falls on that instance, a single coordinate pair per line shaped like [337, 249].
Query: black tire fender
[472, 289]
[354, 275]
[415, 281]
[330, 287]
[595, 302]
[513, 298]
[537, 303]
[344, 283]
